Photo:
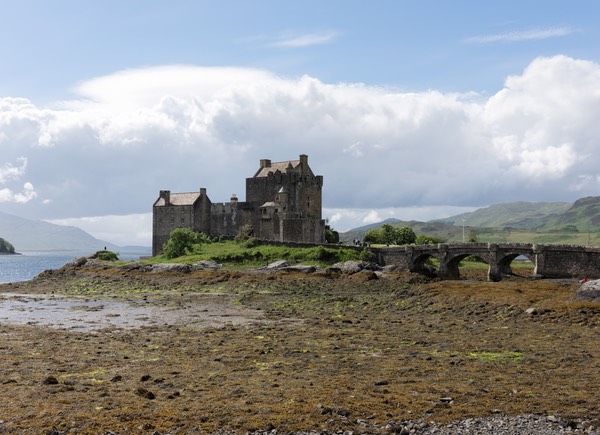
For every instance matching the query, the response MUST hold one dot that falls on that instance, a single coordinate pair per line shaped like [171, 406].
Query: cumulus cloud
[135, 132]
[26, 195]
[521, 35]
[9, 172]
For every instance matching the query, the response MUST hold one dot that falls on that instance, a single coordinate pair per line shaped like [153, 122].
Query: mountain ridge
[543, 222]
[33, 235]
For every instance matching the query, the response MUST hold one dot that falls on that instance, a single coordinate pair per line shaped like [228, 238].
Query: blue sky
[409, 109]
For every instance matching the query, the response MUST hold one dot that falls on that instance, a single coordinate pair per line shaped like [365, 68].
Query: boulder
[171, 267]
[280, 264]
[350, 267]
[304, 268]
[589, 291]
[77, 262]
[206, 265]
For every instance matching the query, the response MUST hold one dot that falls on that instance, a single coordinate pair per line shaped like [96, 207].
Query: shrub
[106, 256]
[331, 236]
[245, 232]
[424, 239]
[182, 241]
[252, 242]
[368, 256]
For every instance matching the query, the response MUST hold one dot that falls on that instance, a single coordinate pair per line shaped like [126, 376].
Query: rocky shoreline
[337, 351]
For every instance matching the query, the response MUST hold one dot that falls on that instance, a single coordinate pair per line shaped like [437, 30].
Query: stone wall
[561, 261]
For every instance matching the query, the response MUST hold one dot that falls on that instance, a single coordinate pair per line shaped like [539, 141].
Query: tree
[424, 239]
[473, 236]
[182, 241]
[390, 235]
[331, 236]
[405, 236]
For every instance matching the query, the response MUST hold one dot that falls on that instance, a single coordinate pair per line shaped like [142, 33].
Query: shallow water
[14, 268]
[82, 314]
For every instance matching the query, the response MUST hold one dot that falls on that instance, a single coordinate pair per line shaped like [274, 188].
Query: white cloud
[344, 219]
[127, 230]
[180, 128]
[521, 35]
[9, 172]
[27, 194]
[306, 40]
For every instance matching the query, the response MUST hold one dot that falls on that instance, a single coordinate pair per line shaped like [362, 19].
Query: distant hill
[582, 216]
[31, 235]
[543, 222]
[439, 229]
[519, 215]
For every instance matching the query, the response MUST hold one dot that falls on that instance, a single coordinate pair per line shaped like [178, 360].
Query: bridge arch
[419, 264]
[452, 270]
[549, 261]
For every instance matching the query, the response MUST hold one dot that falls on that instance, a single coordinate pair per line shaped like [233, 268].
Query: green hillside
[518, 222]
[6, 247]
[583, 216]
[521, 215]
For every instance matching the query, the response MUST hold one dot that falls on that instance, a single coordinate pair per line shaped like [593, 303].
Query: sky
[409, 109]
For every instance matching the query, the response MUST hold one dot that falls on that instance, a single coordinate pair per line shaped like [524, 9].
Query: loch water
[23, 267]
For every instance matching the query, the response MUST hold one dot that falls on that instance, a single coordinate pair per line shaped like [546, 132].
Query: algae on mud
[335, 352]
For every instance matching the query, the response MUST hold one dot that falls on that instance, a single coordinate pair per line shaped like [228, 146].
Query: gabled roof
[282, 167]
[187, 198]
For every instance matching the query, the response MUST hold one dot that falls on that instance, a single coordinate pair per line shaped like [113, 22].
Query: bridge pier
[448, 269]
[494, 271]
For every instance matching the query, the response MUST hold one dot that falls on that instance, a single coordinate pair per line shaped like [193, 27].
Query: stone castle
[283, 203]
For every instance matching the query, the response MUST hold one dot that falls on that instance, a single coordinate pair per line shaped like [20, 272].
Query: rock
[206, 265]
[171, 267]
[589, 291]
[350, 267]
[280, 264]
[364, 275]
[145, 394]
[50, 380]
[532, 311]
[77, 262]
[301, 268]
[390, 268]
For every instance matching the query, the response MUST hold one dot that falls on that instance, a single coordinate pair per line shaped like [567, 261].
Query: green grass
[235, 255]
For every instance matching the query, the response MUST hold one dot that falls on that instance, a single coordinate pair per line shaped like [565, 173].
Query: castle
[283, 203]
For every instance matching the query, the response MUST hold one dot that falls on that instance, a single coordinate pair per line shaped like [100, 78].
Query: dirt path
[289, 351]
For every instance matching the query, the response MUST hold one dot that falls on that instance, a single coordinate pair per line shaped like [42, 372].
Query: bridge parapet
[552, 261]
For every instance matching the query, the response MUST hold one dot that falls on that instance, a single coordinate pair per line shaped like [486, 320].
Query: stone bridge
[550, 261]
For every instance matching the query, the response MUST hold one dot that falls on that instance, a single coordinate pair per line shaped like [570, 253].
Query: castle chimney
[265, 163]
[166, 196]
[203, 191]
[304, 163]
